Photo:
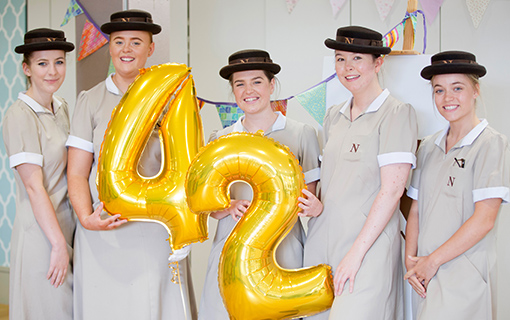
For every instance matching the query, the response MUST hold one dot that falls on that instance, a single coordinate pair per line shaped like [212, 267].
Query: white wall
[217, 28]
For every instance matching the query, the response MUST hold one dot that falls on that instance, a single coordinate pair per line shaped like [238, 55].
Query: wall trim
[4, 285]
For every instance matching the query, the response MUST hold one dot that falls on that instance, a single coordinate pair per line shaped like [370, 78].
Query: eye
[458, 89]
[42, 64]
[340, 59]
[438, 91]
[237, 85]
[118, 42]
[257, 82]
[60, 62]
[357, 58]
[136, 43]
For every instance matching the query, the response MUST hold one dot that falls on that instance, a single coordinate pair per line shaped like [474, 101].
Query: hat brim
[335, 45]
[110, 27]
[227, 71]
[465, 68]
[41, 46]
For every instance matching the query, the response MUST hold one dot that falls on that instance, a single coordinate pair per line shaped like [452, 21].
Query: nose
[448, 95]
[348, 65]
[53, 68]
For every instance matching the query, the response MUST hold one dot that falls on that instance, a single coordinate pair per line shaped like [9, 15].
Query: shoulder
[19, 110]
[300, 127]
[491, 140]
[396, 106]
[218, 133]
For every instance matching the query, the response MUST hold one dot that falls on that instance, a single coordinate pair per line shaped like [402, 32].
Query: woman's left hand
[59, 260]
[346, 270]
[424, 270]
[311, 205]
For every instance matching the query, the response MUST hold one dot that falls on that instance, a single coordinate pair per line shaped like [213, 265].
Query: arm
[44, 213]
[411, 247]
[470, 233]
[236, 210]
[393, 180]
[79, 163]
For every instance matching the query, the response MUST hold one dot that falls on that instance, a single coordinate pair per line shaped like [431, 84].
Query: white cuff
[397, 157]
[180, 254]
[412, 193]
[489, 193]
[25, 157]
[80, 143]
[312, 175]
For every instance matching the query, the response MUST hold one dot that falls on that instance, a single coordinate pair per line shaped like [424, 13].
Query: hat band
[44, 39]
[133, 19]
[250, 60]
[357, 41]
[454, 61]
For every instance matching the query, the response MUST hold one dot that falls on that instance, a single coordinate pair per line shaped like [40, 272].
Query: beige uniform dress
[302, 141]
[121, 273]
[447, 186]
[33, 134]
[354, 152]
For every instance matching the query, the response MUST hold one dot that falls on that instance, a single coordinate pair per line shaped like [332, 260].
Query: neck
[260, 121]
[362, 99]
[123, 82]
[42, 98]
[459, 129]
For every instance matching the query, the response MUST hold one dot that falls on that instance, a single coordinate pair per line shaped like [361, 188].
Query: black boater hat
[358, 39]
[251, 59]
[453, 62]
[44, 39]
[132, 19]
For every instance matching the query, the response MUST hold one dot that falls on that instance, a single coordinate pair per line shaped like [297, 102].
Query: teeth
[250, 99]
[450, 107]
[351, 77]
[127, 59]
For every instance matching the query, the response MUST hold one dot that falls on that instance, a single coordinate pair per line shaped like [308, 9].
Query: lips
[250, 99]
[450, 107]
[349, 78]
[127, 59]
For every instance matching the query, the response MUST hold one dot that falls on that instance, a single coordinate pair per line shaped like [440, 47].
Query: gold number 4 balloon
[160, 198]
[252, 284]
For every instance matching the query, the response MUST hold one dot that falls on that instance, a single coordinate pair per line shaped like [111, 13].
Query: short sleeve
[398, 136]
[213, 136]
[310, 154]
[81, 135]
[22, 142]
[491, 177]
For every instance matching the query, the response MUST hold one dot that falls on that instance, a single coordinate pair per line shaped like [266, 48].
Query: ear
[477, 90]
[273, 83]
[378, 63]
[151, 49]
[26, 69]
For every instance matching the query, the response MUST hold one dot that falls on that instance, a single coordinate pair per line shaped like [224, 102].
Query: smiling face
[129, 50]
[455, 96]
[46, 70]
[357, 71]
[252, 90]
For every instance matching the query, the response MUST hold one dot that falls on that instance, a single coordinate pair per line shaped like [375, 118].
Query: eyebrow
[124, 38]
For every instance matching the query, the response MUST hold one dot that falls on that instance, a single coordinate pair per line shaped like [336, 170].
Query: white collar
[110, 85]
[468, 139]
[34, 105]
[374, 106]
[279, 124]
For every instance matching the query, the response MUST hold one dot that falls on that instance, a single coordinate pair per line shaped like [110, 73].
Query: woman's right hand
[413, 279]
[59, 260]
[94, 221]
[237, 208]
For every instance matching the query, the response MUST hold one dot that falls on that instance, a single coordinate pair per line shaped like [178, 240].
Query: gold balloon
[160, 198]
[252, 284]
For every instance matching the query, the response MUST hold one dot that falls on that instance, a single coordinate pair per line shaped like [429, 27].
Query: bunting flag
[229, 114]
[336, 5]
[431, 8]
[73, 10]
[314, 101]
[91, 40]
[279, 105]
[384, 8]
[477, 9]
[111, 67]
[291, 4]
[394, 34]
[200, 104]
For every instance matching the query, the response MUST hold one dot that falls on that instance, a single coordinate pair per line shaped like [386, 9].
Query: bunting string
[392, 36]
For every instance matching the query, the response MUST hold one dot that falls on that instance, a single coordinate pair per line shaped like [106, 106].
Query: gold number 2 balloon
[252, 284]
[160, 198]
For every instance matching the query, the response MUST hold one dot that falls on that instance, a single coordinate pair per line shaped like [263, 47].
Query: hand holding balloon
[311, 205]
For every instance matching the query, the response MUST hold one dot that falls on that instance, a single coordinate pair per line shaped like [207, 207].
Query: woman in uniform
[251, 74]
[369, 148]
[462, 177]
[35, 129]
[121, 269]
